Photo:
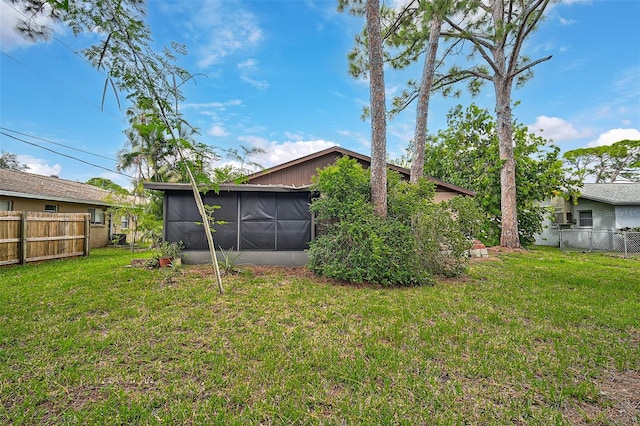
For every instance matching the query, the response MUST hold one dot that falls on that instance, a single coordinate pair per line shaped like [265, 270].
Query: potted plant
[168, 252]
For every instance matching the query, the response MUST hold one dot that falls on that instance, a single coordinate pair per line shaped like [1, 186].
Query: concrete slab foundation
[272, 258]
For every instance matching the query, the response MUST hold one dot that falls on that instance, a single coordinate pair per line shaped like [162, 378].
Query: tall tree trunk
[422, 109]
[378, 111]
[509, 235]
[502, 83]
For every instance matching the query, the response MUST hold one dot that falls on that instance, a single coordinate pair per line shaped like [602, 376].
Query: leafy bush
[472, 219]
[417, 240]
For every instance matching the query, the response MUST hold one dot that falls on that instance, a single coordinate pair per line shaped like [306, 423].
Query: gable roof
[612, 193]
[28, 185]
[337, 151]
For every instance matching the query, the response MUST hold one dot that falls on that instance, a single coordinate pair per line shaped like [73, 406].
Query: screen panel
[257, 235]
[259, 206]
[293, 206]
[293, 234]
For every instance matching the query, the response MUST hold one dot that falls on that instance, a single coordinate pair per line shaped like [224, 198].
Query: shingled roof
[28, 185]
[612, 193]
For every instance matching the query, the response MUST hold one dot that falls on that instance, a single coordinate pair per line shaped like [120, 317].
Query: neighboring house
[23, 191]
[600, 206]
[267, 219]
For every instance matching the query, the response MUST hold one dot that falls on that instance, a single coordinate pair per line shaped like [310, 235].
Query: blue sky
[276, 78]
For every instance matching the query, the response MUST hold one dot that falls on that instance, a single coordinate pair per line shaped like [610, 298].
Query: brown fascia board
[356, 155]
[225, 187]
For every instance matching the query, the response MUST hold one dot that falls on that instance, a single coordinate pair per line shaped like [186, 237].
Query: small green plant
[172, 270]
[229, 264]
[165, 254]
[170, 249]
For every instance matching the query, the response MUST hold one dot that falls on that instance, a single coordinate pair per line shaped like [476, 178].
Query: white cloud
[564, 21]
[39, 166]
[258, 84]
[249, 63]
[391, 91]
[224, 28]
[219, 105]
[627, 83]
[9, 17]
[217, 130]
[281, 152]
[356, 136]
[247, 69]
[615, 135]
[293, 136]
[554, 128]
[254, 141]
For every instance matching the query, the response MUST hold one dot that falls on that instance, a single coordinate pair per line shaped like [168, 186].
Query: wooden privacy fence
[34, 236]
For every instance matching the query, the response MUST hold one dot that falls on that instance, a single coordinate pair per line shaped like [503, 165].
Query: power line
[63, 87]
[69, 48]
[67, 156]
[59, 144]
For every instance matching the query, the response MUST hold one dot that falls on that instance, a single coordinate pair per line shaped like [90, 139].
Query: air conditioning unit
[562, 211]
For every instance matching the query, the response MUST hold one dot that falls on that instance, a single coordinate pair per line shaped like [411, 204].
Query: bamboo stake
[207, 229]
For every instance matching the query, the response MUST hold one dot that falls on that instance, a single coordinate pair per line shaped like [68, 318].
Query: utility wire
[69, 48]
[67, 156]
[59, 144]
[63, 87]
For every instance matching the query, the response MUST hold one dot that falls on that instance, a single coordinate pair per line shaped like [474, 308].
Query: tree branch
[530, 65]
[523, 31]
[477, 42]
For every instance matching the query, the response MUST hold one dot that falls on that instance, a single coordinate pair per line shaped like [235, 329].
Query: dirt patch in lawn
[497, 250]
[300, 272]
[620, 404]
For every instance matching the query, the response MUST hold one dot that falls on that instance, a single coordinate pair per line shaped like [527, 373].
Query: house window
[586, 218]
[124, 222]
[5, 205]
[96, 216]
[51, 208]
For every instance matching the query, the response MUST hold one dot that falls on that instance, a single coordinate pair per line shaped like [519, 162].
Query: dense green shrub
[417, 240]
[472, 219]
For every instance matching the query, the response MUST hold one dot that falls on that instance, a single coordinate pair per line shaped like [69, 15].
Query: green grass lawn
[541, 337]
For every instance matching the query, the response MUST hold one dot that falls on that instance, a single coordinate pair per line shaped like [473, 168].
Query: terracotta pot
[165, 261]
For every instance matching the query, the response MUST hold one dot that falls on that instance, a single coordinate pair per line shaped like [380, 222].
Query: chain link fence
[600, 240]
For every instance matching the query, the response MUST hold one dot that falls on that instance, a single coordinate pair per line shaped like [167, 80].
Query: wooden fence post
[87, 229]
[23, 238]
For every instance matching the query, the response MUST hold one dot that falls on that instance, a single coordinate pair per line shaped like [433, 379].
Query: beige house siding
[99, 233]
[444, 196]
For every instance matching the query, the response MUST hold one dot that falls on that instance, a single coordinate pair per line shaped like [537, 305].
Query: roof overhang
[50, 198]
[610, 201]
[226, 187]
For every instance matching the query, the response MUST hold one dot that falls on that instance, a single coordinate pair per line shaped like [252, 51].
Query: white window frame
[6, 203]
[96, 216]
[51, 208]
[581, 219]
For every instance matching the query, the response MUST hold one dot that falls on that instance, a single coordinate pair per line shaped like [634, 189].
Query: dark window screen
[294, 221]
[184, 221]
[268, 221]
[257, 221]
